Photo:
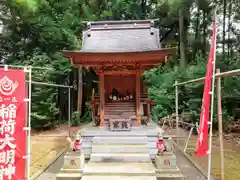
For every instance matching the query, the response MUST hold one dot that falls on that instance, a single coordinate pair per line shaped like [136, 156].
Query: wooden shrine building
[119, 52]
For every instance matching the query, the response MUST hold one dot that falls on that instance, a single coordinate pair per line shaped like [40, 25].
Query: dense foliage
[36, 31]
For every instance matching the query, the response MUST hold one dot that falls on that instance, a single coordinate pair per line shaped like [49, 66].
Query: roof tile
[113, 38]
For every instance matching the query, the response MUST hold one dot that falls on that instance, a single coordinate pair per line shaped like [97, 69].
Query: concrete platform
[120, 140]
[119, 148]
[120, 157]
[123, 169]
[166, 161]
[119, 178]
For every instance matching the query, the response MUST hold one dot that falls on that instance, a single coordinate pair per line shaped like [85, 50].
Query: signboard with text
[12, 123]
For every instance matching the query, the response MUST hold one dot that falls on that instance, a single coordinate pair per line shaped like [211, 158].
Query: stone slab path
[185, 166]
[51, 172]
[119, 171]
[189, 171]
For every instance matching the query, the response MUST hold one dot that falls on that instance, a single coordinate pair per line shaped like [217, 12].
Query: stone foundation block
[74, 160]
[166, 162]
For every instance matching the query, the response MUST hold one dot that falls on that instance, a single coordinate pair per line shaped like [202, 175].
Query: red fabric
[77, 145]
[12, 109]
[202, 142]
[160, 145]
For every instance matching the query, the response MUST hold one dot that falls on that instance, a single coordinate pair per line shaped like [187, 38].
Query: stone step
[120, 140]
[119, 148]
[168, 171]
[68, 176]
[71, 170]
[120, 157]
[124, 169]
[118, 177]
[170, 176]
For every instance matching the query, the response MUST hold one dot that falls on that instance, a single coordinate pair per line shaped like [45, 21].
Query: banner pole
[212, 101]
[69, 112]
[29, 122]
[176, 109]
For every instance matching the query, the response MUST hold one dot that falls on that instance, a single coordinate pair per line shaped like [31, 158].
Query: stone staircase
[119, 158]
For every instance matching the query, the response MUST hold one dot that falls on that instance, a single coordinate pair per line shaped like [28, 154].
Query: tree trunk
[143, 9]
[80, 90]
[196, 35]
[182, 40]
[204, 34]
[229, 28]
[224, 29]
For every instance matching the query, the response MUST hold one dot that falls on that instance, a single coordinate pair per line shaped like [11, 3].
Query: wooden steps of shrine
[120, 103]
[107, 110]
[107, 113]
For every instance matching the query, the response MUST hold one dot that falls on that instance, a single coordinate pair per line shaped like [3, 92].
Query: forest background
[34, 32]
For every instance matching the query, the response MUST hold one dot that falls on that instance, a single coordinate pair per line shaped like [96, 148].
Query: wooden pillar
[102, 97]
[138, 118]
[80, 90]
[93, 107]
[148, 111]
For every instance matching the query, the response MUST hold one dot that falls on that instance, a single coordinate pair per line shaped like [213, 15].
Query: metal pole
[176, 108]
[17, 66]
[29, 122]
[49, 84]
[220, 130]
[69, 112]
[212, 103]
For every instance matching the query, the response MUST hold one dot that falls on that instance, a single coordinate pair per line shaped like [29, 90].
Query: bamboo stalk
[220, 129]
[189, 136]
[235, 72]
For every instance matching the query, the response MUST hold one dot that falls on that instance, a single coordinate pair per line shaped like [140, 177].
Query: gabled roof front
[120, 36]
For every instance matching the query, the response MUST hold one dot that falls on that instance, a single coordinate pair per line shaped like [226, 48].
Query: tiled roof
[120, 36]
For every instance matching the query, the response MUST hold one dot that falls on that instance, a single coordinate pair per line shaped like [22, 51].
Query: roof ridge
[119, 22]
[120, 28]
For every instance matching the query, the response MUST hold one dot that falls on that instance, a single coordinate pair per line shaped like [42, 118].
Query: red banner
[202, 142]
[12, 123]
